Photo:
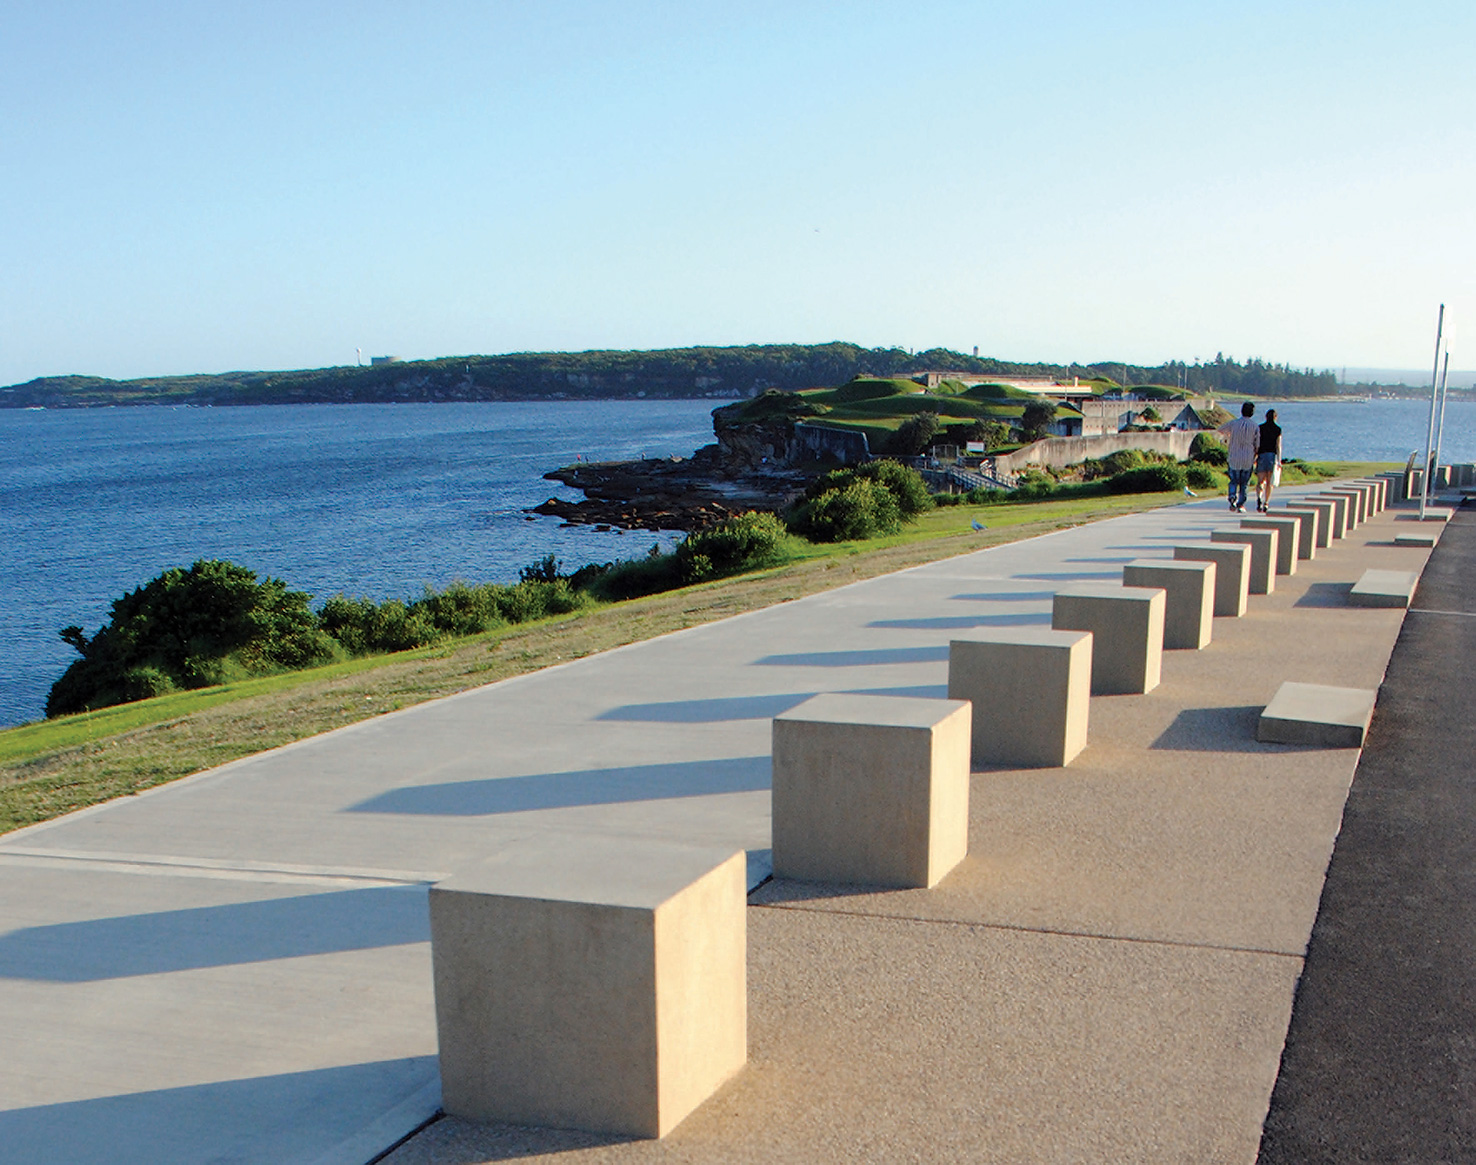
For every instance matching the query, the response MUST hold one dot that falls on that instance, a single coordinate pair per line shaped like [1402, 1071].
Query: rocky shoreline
[678, 493]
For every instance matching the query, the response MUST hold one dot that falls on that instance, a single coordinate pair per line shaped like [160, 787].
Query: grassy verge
[54, 767]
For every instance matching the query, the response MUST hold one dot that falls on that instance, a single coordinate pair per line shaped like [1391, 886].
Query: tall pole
[1430, 433]
[1444, 392]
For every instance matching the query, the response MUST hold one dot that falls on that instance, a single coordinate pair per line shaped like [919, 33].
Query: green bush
[904, 483]
[948, 499]
[986, 496]
[743, 543]
[1147, 479]
[862, 509]
[1033, 484]
[1197, 475]
[1208, 449]
[189, 629]
[365, 627]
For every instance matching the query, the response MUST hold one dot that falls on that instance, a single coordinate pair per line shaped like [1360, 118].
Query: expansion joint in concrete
[1139, 940]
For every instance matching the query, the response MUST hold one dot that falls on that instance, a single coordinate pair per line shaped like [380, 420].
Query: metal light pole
[1430, 433]
[1444, 393]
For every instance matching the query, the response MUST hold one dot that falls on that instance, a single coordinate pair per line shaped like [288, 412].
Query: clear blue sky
[210, 186]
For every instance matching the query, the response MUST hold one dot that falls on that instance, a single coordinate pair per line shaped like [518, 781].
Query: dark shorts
[1265, 462]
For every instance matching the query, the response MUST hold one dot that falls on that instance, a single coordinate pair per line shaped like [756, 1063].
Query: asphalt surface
[1380, 1058]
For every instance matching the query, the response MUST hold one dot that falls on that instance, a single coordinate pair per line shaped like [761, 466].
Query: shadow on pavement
[1326, 594]
[857, 658]
[279, 1117]
[216, 936]
[1214, 730]
[659, 782]
[965, 622]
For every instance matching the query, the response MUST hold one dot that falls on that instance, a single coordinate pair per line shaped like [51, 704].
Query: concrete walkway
[1380, 1064]
[235, 966]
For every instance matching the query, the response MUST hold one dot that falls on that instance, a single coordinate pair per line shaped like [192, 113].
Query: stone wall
[818, 443]
[1059, 452]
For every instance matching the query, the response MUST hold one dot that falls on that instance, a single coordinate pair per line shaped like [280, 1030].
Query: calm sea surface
[377, 500]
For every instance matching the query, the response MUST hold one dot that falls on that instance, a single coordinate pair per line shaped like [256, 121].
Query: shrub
[1034, 483]
[904, 483]
[1197, 475]
[986, 496]
[189, 629]
[862, 509]
[743, 543]
[1147, 479]
[1208, 449]
[364, 627]
[948, 499]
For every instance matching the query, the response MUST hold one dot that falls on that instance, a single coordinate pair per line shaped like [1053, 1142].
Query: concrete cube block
[1189, 597]
[1309, 521]
[1316, 714]
[1384, 588]
[1381, 493]
[1289, 530]
[1232, 572]
[1415, 486]
[1338, 525]
[1127, 633]
[1263, 544]
[871, 789]
[1442, 477]
[1321, 527]
[1360, 492]
[591, 985]
[1350, 520]
[1030, 689]
[1417, 539]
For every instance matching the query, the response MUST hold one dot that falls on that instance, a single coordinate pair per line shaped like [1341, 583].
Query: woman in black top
[1268, 457]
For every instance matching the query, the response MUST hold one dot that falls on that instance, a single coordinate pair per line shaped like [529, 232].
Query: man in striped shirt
[1241, 434]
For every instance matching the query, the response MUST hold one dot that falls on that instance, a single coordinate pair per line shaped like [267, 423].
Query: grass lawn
[56, 766]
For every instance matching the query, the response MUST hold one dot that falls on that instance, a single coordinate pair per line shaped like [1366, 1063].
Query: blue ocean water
[377, 500]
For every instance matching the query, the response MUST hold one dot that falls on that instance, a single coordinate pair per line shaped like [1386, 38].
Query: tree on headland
[190, 629]
[1037, 419]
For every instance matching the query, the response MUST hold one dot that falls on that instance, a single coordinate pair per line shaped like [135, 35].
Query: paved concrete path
[235, 966]
[1380, 1062]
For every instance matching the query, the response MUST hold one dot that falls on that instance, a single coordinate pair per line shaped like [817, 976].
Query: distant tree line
[667, 373]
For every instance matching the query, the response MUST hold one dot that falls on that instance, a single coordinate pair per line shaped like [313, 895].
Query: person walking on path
[1268, 460]
[1240, 434]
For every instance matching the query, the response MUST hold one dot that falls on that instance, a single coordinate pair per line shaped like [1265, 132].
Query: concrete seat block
[1189, 597]
[1380, 493]
[1350, 500]
[602, 987]
[1316, 714]
[1321, 527]
[1365, 500]
[1421, 539]
[1338, 526]
[1309, 522]
[1232, 572]
[1436, 514]
[871, 789]
[1127, 633]
[1384, 588]
[1030, 688]
[1289, 528]
[1264, 544]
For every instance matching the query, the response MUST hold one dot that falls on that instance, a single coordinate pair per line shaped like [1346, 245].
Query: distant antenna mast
[1430, 433]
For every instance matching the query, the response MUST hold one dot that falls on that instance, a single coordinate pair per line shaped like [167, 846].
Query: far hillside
[730, 373]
